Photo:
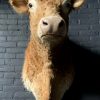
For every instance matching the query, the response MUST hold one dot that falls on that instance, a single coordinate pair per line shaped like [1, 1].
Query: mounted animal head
[48, 18]
[49, 28]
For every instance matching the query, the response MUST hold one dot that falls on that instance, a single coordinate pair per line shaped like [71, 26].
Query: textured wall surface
[84, 30]
[85, 25]
[13, 40]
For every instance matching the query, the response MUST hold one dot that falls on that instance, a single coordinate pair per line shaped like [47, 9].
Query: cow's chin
[52, 41]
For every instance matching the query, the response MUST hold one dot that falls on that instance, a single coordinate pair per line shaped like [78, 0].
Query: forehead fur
[49, 1]
[47, 7]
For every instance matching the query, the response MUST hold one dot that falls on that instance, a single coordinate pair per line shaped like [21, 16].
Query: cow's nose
[52, 25]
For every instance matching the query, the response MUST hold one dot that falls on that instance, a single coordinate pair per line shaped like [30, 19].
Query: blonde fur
[47, 72]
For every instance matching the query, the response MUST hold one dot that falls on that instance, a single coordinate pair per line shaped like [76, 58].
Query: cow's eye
[67, 7]
[30, 5]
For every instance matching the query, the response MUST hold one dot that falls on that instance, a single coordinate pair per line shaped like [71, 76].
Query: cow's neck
[40, 55]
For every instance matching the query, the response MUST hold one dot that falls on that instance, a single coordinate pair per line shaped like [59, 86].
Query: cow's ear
[19, 6]
[77, 3]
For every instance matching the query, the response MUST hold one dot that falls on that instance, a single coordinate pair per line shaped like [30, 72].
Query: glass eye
[30, 5]
[68, 4]
[67, 7]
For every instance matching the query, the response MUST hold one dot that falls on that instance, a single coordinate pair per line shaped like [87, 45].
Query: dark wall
[84, 30]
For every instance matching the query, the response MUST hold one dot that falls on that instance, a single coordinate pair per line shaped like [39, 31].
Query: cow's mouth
[51, 36]
[52, 39]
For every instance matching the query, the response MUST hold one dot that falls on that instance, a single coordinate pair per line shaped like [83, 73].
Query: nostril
[61, 24]
[45, 22]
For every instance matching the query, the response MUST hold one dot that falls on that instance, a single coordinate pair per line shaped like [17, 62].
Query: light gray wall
[13, 41]
[85, 25]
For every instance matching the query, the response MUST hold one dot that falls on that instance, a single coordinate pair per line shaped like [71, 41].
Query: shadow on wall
[86, 85]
